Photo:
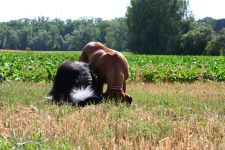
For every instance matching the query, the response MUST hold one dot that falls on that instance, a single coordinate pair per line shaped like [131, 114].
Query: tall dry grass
[162, 116]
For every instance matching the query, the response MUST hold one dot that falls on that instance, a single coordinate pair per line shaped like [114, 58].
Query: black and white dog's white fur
[75, 84]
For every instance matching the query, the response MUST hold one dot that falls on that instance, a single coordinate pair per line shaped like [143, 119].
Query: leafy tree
[25, 35]
[56, 38]
[85, 32]
[42, 41]
[69, 26]
[116, 35]
[158, 26]
[153, 25]
[103, 26]
[187, 24]
[195, 41]
[219, 25]
[208, 20]
[217, 45]
[12, 40]
[3, 30]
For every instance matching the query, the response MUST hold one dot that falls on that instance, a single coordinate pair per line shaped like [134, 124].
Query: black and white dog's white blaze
[75, 84]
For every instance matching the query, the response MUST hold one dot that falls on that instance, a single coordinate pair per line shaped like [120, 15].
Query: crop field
[179, 103]
[41, 67]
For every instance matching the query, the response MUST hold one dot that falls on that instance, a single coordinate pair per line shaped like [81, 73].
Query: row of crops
[41, 67]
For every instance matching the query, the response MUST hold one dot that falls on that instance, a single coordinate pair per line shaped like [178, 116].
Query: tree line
[45, 34]
[149, 27]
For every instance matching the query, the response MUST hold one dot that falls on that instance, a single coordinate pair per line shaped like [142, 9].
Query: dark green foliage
[84, 32]
[151, 27]
[195, 40]
[154, 25]
[219, 24]
[46, 34]
[217, 45]
[116, 34]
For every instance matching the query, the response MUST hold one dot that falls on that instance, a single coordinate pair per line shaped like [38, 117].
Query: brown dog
[110, 66]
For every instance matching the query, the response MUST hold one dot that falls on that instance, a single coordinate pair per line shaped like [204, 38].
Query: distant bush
[217, 45]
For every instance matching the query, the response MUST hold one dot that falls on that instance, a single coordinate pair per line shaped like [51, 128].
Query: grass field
[179, 103]
[162, 116]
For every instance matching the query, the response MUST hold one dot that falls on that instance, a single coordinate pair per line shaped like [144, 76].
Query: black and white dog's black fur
[75, 84]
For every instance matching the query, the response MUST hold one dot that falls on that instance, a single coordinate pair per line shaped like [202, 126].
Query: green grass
[163, 115]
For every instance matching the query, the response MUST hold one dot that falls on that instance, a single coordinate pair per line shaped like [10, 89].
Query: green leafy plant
[41, 67]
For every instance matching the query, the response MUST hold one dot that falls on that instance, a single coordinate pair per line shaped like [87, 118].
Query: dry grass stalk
[108, 126]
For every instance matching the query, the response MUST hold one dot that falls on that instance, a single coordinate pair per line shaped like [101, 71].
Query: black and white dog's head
[75, 84]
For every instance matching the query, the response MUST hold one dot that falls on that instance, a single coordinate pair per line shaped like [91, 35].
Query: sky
[105, 9]
[207, 8]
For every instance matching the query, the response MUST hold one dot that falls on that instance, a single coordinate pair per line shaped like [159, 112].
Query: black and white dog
[75, 84]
